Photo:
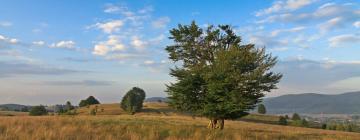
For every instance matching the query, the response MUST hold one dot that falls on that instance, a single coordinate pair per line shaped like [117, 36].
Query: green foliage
[68, 106]
[25, 109]
[282, 120]
[261, 109]
[296, 117]
[38, 111]
[89, 101]
[323, 126]
[133, 100]
[350, 127]
[219, 77]
[304, 123]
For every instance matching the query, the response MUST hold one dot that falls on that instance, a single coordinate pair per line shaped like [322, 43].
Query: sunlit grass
[140, 127]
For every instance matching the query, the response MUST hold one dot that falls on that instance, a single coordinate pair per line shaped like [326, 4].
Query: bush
[133, 100]
[282, 120]
[38, 111]
[91, 100]
[261, 109]
[296, 117]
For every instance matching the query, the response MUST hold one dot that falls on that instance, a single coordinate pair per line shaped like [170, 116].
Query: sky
[57, 51]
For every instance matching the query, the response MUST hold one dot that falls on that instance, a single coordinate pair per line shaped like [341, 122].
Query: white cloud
[267, 41]
[146, 9]
[357, 24]
[63, 44]
[112, 44]
[289, 5]
[7, 40]
[324, 12]
[13, 40]
[100, 49]
[111, 9]
[161, 22]
[279, 49]
[277, 6]
[291, 30]
[38, 43]
[124, 56]
[138, 44]
[110, 27]
[297, 4]
[344, 40]
[5, 24]
[331, 24]
[149, 62]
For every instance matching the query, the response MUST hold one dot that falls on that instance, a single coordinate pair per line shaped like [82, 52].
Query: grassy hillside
[156, 122]
[13, 113]
[113, 127]
[346, 103]
[149, 108]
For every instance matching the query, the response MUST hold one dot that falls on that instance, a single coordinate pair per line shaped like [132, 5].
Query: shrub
[38, 111]
[261, 109]
[296, 117]
[282, 120]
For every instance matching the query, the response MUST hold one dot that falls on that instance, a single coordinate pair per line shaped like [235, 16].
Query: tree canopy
[133, 100]
[295, 117]
[38, 111]
[91, 100]
[217, 76]
[261, 109]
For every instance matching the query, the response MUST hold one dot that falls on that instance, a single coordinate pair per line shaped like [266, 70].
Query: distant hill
[156, 99]
[312, 103]
[12, 107]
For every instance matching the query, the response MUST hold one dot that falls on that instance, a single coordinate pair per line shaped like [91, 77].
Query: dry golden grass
[157, 122]
[153, 108]
[127, 127]
[13, 113]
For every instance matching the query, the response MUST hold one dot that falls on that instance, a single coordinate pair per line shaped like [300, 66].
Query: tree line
[131, 103]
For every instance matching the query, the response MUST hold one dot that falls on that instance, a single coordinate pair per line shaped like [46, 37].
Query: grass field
[156, 123]
[13, 113]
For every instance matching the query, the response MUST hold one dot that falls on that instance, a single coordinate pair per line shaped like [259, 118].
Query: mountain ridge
[314, 103]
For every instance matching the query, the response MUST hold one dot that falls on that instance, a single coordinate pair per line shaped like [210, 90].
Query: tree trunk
[212, 124]
[221, 125]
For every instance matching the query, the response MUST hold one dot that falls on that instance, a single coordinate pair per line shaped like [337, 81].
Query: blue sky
[53, 51]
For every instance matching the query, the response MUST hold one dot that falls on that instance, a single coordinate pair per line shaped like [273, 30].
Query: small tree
[83, 103]
[68, 106]
[323, 126]
[133, 100]
[282, 120]
[261, 109]
[304, 123]
[91, 100]
[296, 117]
[25, 109]
[38, 111]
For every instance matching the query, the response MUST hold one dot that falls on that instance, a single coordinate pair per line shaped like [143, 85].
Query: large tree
[133, 100]
[217, 76]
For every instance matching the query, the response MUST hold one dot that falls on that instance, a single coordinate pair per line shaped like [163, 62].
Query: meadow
[157, 122]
